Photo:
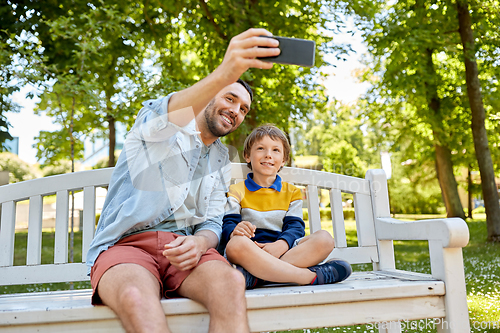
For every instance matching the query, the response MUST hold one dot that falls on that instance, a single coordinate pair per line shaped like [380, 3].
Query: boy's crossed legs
[292, 267]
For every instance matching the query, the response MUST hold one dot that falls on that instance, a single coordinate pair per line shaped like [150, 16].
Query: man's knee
[228, 281]
[131, 296]
[128, 285]
[236, 280]
[229, 292]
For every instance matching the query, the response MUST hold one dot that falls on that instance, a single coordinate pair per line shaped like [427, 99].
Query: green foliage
[6, 89]
[103, 162]
[413, 187]
[407, 198]
[479, 210]
[95, 62]
[57, 168]
[53, 147]
[336, 135]
[19, 170]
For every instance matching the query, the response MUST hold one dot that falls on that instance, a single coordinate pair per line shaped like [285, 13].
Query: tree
[407, 43]
[204, 30]
[88, 43]
[18, 169]
[337, 137]
[490, 193]
[7, 78]
[182, 42]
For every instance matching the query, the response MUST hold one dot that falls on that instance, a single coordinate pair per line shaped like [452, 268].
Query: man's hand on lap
[185, 252]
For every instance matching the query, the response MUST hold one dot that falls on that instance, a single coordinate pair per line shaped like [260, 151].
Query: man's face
[227, 110]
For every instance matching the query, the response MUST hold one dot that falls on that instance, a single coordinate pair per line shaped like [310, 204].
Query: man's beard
[211, 118]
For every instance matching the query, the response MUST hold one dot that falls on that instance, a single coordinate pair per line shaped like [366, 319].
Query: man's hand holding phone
[246, 50]
[294, 51]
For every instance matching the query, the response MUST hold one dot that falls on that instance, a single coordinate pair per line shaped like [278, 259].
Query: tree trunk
[112, 129]
[447, 182]
[469, 194]
[112, 141]
[490, 192]
[444, 164]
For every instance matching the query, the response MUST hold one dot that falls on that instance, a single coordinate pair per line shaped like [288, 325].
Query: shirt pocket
[175, 166]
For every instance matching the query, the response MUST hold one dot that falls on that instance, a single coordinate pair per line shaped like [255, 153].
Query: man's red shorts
[145, 249]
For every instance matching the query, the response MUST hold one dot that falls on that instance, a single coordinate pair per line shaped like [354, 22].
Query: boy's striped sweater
[276, 211]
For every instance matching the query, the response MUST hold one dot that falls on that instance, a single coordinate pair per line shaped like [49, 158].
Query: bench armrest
[452, 232]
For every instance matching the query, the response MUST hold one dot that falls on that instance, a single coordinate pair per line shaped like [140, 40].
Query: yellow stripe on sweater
[274, 200]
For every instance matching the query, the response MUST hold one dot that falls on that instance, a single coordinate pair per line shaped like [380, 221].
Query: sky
[340, 84]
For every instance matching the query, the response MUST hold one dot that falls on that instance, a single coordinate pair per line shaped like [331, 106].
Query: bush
[59, 167]
[18, 169]
[479, 210]
[103, 162]
[326, 213]
[408, 198]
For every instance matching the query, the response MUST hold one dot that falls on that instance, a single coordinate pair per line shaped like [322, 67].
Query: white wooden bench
[376, 297]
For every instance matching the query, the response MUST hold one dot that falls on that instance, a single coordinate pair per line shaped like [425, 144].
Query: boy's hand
[244, 228]
[276, 249]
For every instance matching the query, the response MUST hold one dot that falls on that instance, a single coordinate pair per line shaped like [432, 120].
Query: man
[163, 213]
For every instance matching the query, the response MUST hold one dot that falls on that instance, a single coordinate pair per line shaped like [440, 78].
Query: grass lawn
[482, 273]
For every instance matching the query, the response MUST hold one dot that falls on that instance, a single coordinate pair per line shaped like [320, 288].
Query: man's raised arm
[241, 55]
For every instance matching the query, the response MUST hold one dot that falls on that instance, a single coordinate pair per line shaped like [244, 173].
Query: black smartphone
[294, 51]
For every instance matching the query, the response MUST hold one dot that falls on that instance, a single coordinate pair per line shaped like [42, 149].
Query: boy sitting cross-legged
[263, 231]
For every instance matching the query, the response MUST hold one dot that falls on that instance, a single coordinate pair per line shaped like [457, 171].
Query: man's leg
[133, 293]
[221, 289]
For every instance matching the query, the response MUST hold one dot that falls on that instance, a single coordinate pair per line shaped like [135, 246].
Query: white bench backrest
[88, 181]
[313, 181]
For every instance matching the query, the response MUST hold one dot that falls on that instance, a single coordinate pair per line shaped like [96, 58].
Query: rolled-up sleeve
[217, 202]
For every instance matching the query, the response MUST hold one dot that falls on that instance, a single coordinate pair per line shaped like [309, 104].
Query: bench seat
[270, 308]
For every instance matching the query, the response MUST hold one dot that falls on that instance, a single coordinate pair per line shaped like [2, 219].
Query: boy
[263, 231]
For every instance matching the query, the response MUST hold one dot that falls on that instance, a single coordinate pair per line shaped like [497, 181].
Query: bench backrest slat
[7, 233]
[338, 218]
[364, 219]
[88, 219]
[34, 254]
[312, 203]
[50, 273]
[61, 232]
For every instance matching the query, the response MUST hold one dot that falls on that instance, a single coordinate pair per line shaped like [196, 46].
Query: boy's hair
[267, 130]
[247, 87]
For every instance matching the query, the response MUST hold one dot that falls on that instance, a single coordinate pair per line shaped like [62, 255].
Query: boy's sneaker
[332, 271]
[250, 280]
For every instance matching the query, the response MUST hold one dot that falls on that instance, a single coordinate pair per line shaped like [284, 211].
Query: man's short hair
[271, 131]
[247, 87]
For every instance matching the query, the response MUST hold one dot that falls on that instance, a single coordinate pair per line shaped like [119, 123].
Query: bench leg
[447, 265]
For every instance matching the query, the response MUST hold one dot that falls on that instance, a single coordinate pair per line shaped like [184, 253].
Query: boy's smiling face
[266, 157]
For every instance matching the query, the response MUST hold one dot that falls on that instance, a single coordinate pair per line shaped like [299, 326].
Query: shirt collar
[253, 186]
